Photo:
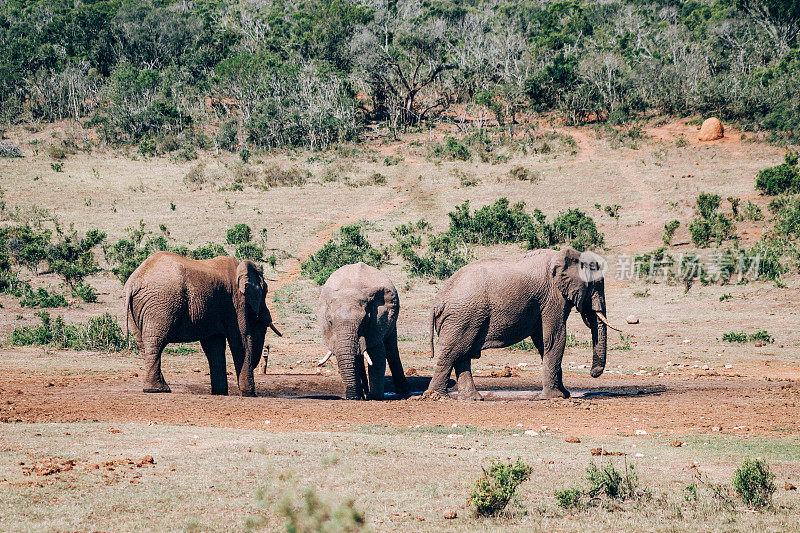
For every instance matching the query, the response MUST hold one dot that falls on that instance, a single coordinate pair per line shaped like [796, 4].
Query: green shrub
[711, 225]
[85, 292]
[226, 136]
[569, 498]
[72, 256]
[348, 246]
[492, 491]
[752, 212]
[733, 336]
[101, 333]
[669, 231]
[11, 284]
[781, 179]
[491, 224]
[239, 234]
[754, 483]
[761, 336]
[42, 298]
[208, 251]
[451, 150]
[505, 223]
[249, 250]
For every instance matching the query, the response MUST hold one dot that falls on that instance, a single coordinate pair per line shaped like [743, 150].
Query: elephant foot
[470, 396]
[550, 394]
[432, 395]
[247, 393]
[219, 392]
[353, 394]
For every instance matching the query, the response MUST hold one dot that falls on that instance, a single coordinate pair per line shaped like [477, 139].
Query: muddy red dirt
[619, 405]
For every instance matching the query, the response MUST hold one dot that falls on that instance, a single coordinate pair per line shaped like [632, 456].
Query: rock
[146, 460]
[632, 319]
[711, 130]
[531, 433]
[573, 440]
[507, 372]
[641, 432]
[411, 371]
[789, 486]
[677, 444]
[601, 452]
[450, 514]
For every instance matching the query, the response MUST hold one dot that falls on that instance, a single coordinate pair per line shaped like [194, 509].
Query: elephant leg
[153, 378]
[554, 342]
[214, 348]
[466, 385]
[361, 376]
[244, 372]
[377, 372]
[456, 341]
[401, 387]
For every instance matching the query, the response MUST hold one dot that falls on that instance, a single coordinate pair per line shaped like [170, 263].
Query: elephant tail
[128, 307]
[433, 329]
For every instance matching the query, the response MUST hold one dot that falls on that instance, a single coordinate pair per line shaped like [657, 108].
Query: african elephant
[494, 303]
[170, 298]
[357, 311]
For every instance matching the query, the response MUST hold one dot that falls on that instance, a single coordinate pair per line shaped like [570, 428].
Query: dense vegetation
[312, 73]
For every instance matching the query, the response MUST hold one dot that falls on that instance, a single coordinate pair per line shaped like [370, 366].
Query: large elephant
[170, 298]
[494, 303]
[357, 311]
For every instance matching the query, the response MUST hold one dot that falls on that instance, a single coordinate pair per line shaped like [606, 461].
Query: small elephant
[494, 303]
[170, 298]
[357, 311]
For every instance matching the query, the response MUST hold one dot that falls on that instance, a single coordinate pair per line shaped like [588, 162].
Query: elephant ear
[251, 284]
[566, 276]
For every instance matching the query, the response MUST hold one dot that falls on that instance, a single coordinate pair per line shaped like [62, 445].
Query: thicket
[98, 333]
[781, 179]
[153, 73]
[349, 245]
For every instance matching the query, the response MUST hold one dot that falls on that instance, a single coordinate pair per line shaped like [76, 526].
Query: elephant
[494, 303]
[357, 312]
[170, 298]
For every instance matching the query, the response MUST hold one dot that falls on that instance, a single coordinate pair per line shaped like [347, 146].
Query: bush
[752, 212]
[239, 234]
[226, 136]
[733, 336]
[85, 292]
[72, 256]
[491, 224]
[348, 246]
[209, 250]
[492, 492]
[101, 333]
[451, 150]
[11, 284]
[710, 225]
[754, 483]
[569, 498]
[9, 149]
[249, 250]
[42, 298]
[572, 227]
[669, 231]
[781, 179]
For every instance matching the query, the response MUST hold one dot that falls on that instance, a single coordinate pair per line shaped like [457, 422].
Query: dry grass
[207, 479]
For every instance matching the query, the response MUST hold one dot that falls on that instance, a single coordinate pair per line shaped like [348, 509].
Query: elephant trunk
[599, 345]
[346, 350]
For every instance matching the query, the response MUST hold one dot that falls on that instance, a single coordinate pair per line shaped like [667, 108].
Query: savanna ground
[77, 426]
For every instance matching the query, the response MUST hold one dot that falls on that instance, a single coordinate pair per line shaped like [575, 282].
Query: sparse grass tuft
[101, 333]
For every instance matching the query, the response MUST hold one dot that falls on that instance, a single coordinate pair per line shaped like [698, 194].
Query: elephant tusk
[273, 328]
[325, 359]
[367, 359]
[604, 320]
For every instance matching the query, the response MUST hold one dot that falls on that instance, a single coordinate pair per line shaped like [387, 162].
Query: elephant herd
[489, 303]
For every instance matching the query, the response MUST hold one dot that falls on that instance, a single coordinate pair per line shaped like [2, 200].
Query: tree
[779, 18]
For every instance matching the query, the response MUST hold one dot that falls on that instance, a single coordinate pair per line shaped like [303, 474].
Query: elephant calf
[492, 303]
[170, 298]
[357, 311]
